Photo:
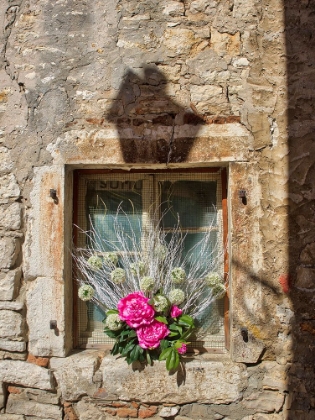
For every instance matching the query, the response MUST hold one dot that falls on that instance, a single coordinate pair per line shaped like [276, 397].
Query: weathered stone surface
[19, 346]
[75, 373]
[10, 355]
[168, 412]
[38, 395]
[11, 324]
[44, 303]
[25, 374]
[3, 395]
[8, 187]
[8, 416]
[305, 278]
[264, 402]
[10, 217]
[246, 351]
[45, 226]
[275, 376]
[9, 250]
[16, 405]
[87, 410]
[5, 160]
[154, 384]
[9, 284]
[12, 306]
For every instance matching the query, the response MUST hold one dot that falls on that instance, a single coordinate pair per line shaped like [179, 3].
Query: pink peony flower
[135, 310]
[182, 349]
[149, 336]
[175, 311]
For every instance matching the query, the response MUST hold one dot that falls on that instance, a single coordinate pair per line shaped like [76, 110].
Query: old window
[193, 199]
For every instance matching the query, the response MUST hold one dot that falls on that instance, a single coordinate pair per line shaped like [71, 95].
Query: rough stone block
[11, 306]
[11, 324]
[207, 382]
[246, 351]
[2, 395]
[10, 217]
[18, 346]
[75, 373]
[264, 402]
[37, 395]
[174, 8]
[8, 416]
[44, 239]
[168, 412]
[9, 284]
[305, 278]
[87, 410]
[261, 129]
[8, 187]
[275, 376]
[26, 374]
[5, 160]
[9, 250]
[16, 405]
[44, 300]
[179, 40]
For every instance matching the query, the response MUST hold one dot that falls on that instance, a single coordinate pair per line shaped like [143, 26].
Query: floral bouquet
[155, 293]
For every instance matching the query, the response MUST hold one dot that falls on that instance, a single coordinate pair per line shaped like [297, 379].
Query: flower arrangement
[154, 292]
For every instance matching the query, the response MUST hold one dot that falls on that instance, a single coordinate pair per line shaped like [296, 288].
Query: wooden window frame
[223, 170]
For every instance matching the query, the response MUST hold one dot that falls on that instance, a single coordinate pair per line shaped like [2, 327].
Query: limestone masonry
[126, 84]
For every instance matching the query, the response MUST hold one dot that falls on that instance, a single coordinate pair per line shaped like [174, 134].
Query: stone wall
[160, 85]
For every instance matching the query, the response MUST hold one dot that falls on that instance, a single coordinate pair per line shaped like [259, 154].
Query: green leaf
[161, 319]
[112, 311]
[186, 320]
[173, 327]
[135, 353]
[115, 349]
[132, 333]
[165, 353]
[164, 344]
[149, 361]
[177, 360]
[128, 348]
[187, 334]
[171, 359]
[111, 334]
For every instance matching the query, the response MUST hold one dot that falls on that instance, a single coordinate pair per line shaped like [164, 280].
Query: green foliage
[127, 345]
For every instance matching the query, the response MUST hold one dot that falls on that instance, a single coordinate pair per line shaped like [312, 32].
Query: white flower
[95, 262]
[176, 296]
[212, 279]
[160, 303]
[146, 284]
[110, 258]
[118, 276]
[160, 252]
[113, 322]
[137, 268]
[86, 292]
[178, 275]
[218, 291]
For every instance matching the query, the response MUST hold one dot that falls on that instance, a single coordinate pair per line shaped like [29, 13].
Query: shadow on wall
[149, 122]
[300, 44]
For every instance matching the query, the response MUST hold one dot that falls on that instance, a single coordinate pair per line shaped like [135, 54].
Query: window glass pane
[118, 207]
[194, 201]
